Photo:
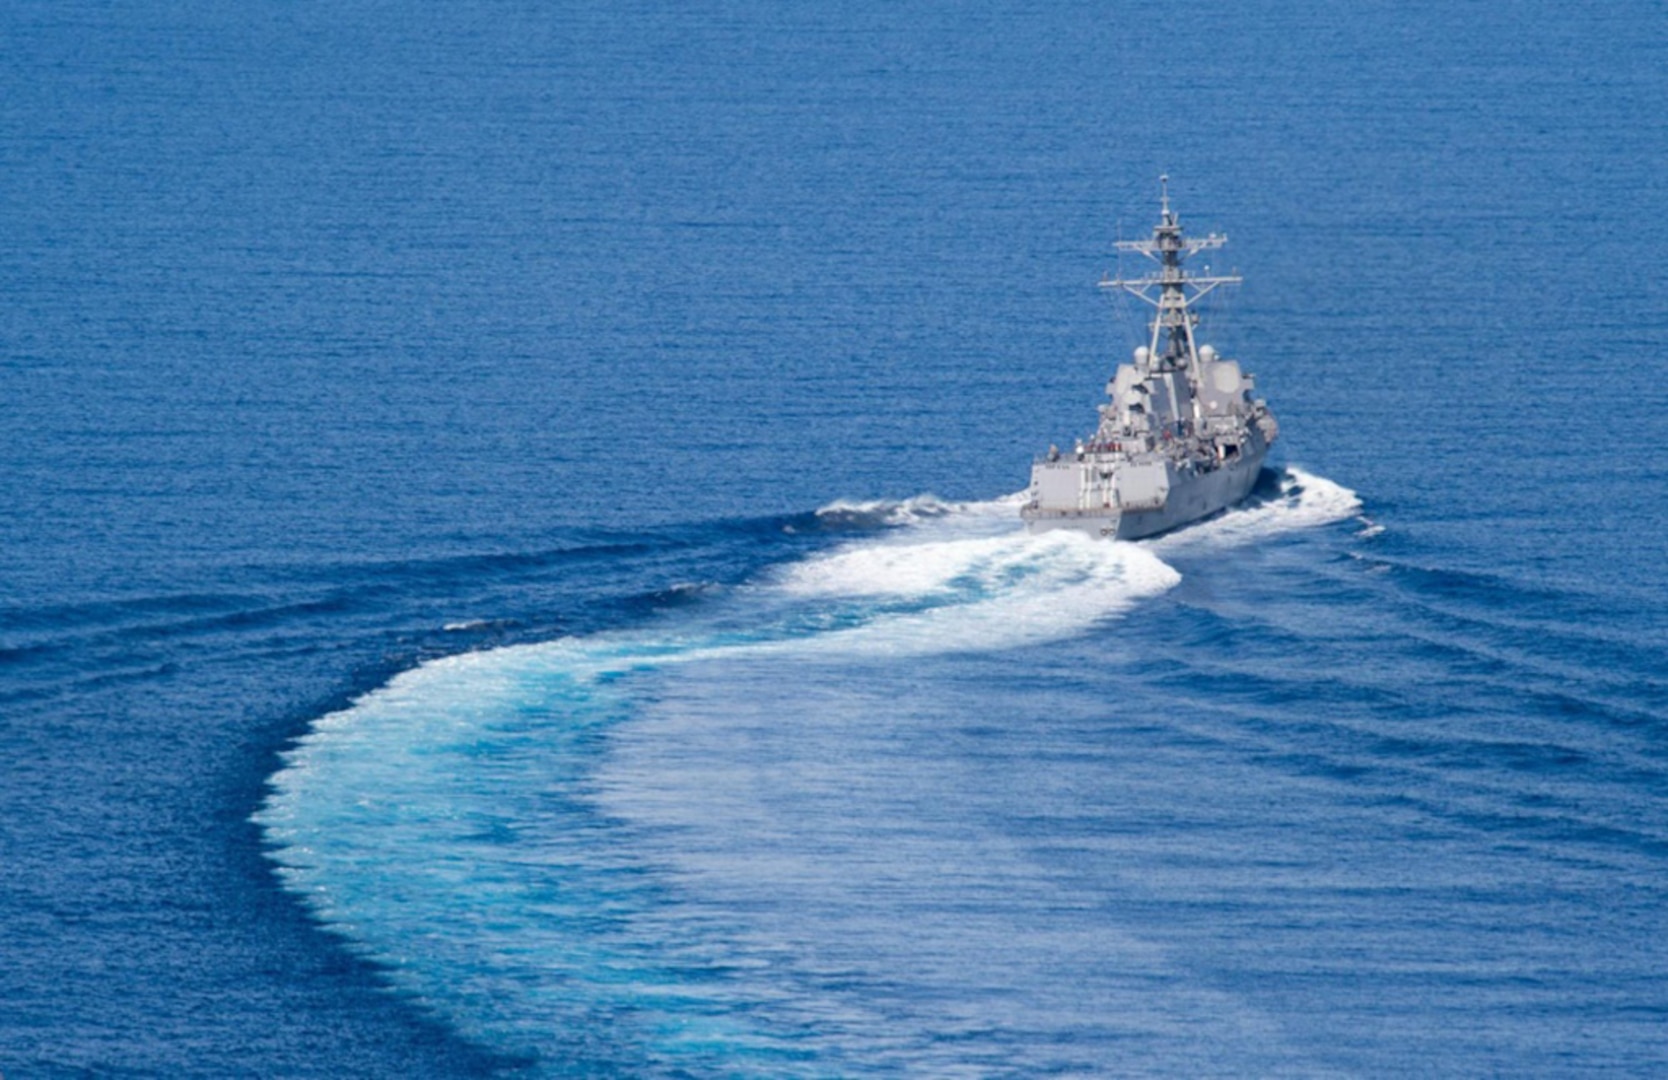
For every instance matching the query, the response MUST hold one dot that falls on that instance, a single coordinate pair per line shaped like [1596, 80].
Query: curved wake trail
[448, 824]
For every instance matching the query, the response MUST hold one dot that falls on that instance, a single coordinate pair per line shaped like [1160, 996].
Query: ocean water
[509, 560]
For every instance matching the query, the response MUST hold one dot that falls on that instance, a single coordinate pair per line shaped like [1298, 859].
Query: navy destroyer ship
[1183, 435]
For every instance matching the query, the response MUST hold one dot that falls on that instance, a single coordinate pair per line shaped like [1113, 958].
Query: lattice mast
[1176, 290]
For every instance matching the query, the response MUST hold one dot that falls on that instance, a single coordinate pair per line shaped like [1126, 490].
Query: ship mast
[1176, 290]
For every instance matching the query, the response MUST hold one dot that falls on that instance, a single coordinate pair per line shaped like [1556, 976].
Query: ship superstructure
[1182, 435]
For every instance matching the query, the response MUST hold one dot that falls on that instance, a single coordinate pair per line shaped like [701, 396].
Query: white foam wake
[1305, 501]
[888, 511]
[917, 510]
[980, 582]
[944, 588]
[464, 786]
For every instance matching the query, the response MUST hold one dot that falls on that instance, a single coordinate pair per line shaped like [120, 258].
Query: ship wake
[448, 825]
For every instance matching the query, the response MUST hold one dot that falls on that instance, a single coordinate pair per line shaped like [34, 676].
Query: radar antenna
[1171, 290]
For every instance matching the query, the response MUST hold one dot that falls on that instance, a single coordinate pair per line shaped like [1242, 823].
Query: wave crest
[881, 513]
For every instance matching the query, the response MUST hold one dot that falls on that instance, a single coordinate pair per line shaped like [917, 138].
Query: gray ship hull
[1193, 496]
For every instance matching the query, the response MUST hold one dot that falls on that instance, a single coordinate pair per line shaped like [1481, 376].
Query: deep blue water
[470, 598]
